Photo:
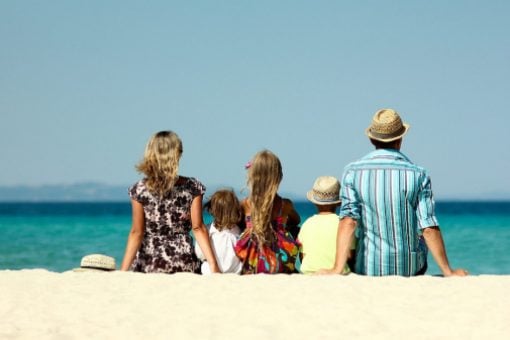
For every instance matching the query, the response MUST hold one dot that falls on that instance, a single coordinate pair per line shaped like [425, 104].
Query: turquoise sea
[55, 236]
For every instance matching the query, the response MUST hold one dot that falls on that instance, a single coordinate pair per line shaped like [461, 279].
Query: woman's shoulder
[138, 184]
[191, 183]
[138, 191]
[186, 180]
[286, 204]
[138, 187]
[287, 201]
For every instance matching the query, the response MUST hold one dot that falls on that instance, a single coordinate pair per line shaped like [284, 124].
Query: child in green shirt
[318, 233]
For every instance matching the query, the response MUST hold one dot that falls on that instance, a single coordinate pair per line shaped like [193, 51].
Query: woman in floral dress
[166, 207]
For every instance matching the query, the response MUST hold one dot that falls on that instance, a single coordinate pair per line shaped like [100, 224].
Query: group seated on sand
[386, 222]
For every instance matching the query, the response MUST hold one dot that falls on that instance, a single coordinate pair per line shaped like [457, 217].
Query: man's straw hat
[325, 191]
[386, 126]
[96, 262]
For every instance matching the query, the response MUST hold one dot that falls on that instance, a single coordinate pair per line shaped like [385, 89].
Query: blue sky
[83, 85]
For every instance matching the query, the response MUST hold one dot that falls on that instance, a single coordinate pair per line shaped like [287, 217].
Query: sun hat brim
[96, 262]
[82, 269]
[309, 196]
[388, 138]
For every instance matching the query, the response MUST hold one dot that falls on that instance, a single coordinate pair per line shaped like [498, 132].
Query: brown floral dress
[167, 245]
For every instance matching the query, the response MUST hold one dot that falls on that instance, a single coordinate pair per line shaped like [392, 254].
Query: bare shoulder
[245, 205]
[287, 203]
[287, 206]
[287, 200]
[181, 181]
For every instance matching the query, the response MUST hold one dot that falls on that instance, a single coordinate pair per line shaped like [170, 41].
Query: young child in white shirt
[223, 232]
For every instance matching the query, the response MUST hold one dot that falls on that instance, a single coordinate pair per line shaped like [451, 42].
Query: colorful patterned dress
[167, 246]
[278, 257]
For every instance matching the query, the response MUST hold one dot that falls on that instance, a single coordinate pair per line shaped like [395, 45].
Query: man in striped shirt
[389, 199]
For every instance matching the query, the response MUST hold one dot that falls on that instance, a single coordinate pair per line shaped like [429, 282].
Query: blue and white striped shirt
[391, 200]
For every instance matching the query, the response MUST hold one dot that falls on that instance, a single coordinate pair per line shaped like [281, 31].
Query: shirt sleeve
[351, 206]
[138, 192]
[425, 209]
[197, 188]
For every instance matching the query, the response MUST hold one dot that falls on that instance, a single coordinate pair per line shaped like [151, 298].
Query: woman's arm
[293, 216]
[201, 235]
[242, 222]
[135, 235]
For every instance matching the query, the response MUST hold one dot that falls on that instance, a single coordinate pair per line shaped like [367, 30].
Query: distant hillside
[98, 192]
[79, 192]
[64, 193]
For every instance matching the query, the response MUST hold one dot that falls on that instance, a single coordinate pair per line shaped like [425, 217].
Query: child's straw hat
[325, 191]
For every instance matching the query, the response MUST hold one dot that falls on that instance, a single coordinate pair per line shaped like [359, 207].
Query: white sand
[37, 304]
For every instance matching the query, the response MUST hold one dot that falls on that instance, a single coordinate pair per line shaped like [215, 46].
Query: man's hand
[458, 272]
[435, 243]
[326, 272]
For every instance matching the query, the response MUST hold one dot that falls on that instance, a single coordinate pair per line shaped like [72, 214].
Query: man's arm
[344, 240]
[435, 243]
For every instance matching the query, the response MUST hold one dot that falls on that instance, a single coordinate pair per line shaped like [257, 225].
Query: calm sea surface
[55, 236]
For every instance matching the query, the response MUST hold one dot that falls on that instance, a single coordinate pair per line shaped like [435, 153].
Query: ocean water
[55, 236]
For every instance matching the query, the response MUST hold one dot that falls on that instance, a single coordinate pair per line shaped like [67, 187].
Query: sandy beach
[37, 304]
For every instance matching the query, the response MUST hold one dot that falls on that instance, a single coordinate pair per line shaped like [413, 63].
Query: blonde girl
[166, 207]
[266, 246]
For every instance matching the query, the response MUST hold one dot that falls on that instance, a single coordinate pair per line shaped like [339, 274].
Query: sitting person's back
[318, 233]
[387, 201]
[266, 246]
[223, 232]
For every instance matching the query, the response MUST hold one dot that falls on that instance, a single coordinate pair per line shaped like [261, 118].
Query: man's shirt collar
[386, 154]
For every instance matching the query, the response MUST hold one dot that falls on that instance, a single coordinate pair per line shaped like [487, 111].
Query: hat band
[388, 135]
[324, 197]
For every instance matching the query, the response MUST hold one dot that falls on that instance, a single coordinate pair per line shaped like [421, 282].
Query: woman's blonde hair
[264, 177]
[160, 162]
[224, 207]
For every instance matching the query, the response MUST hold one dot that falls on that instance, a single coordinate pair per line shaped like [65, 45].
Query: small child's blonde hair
[225, 209]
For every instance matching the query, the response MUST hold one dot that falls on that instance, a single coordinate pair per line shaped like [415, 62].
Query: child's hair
[161, 162]
[224, 208]
[264, 177]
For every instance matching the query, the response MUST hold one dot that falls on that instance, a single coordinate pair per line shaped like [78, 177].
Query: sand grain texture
[46, 305]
